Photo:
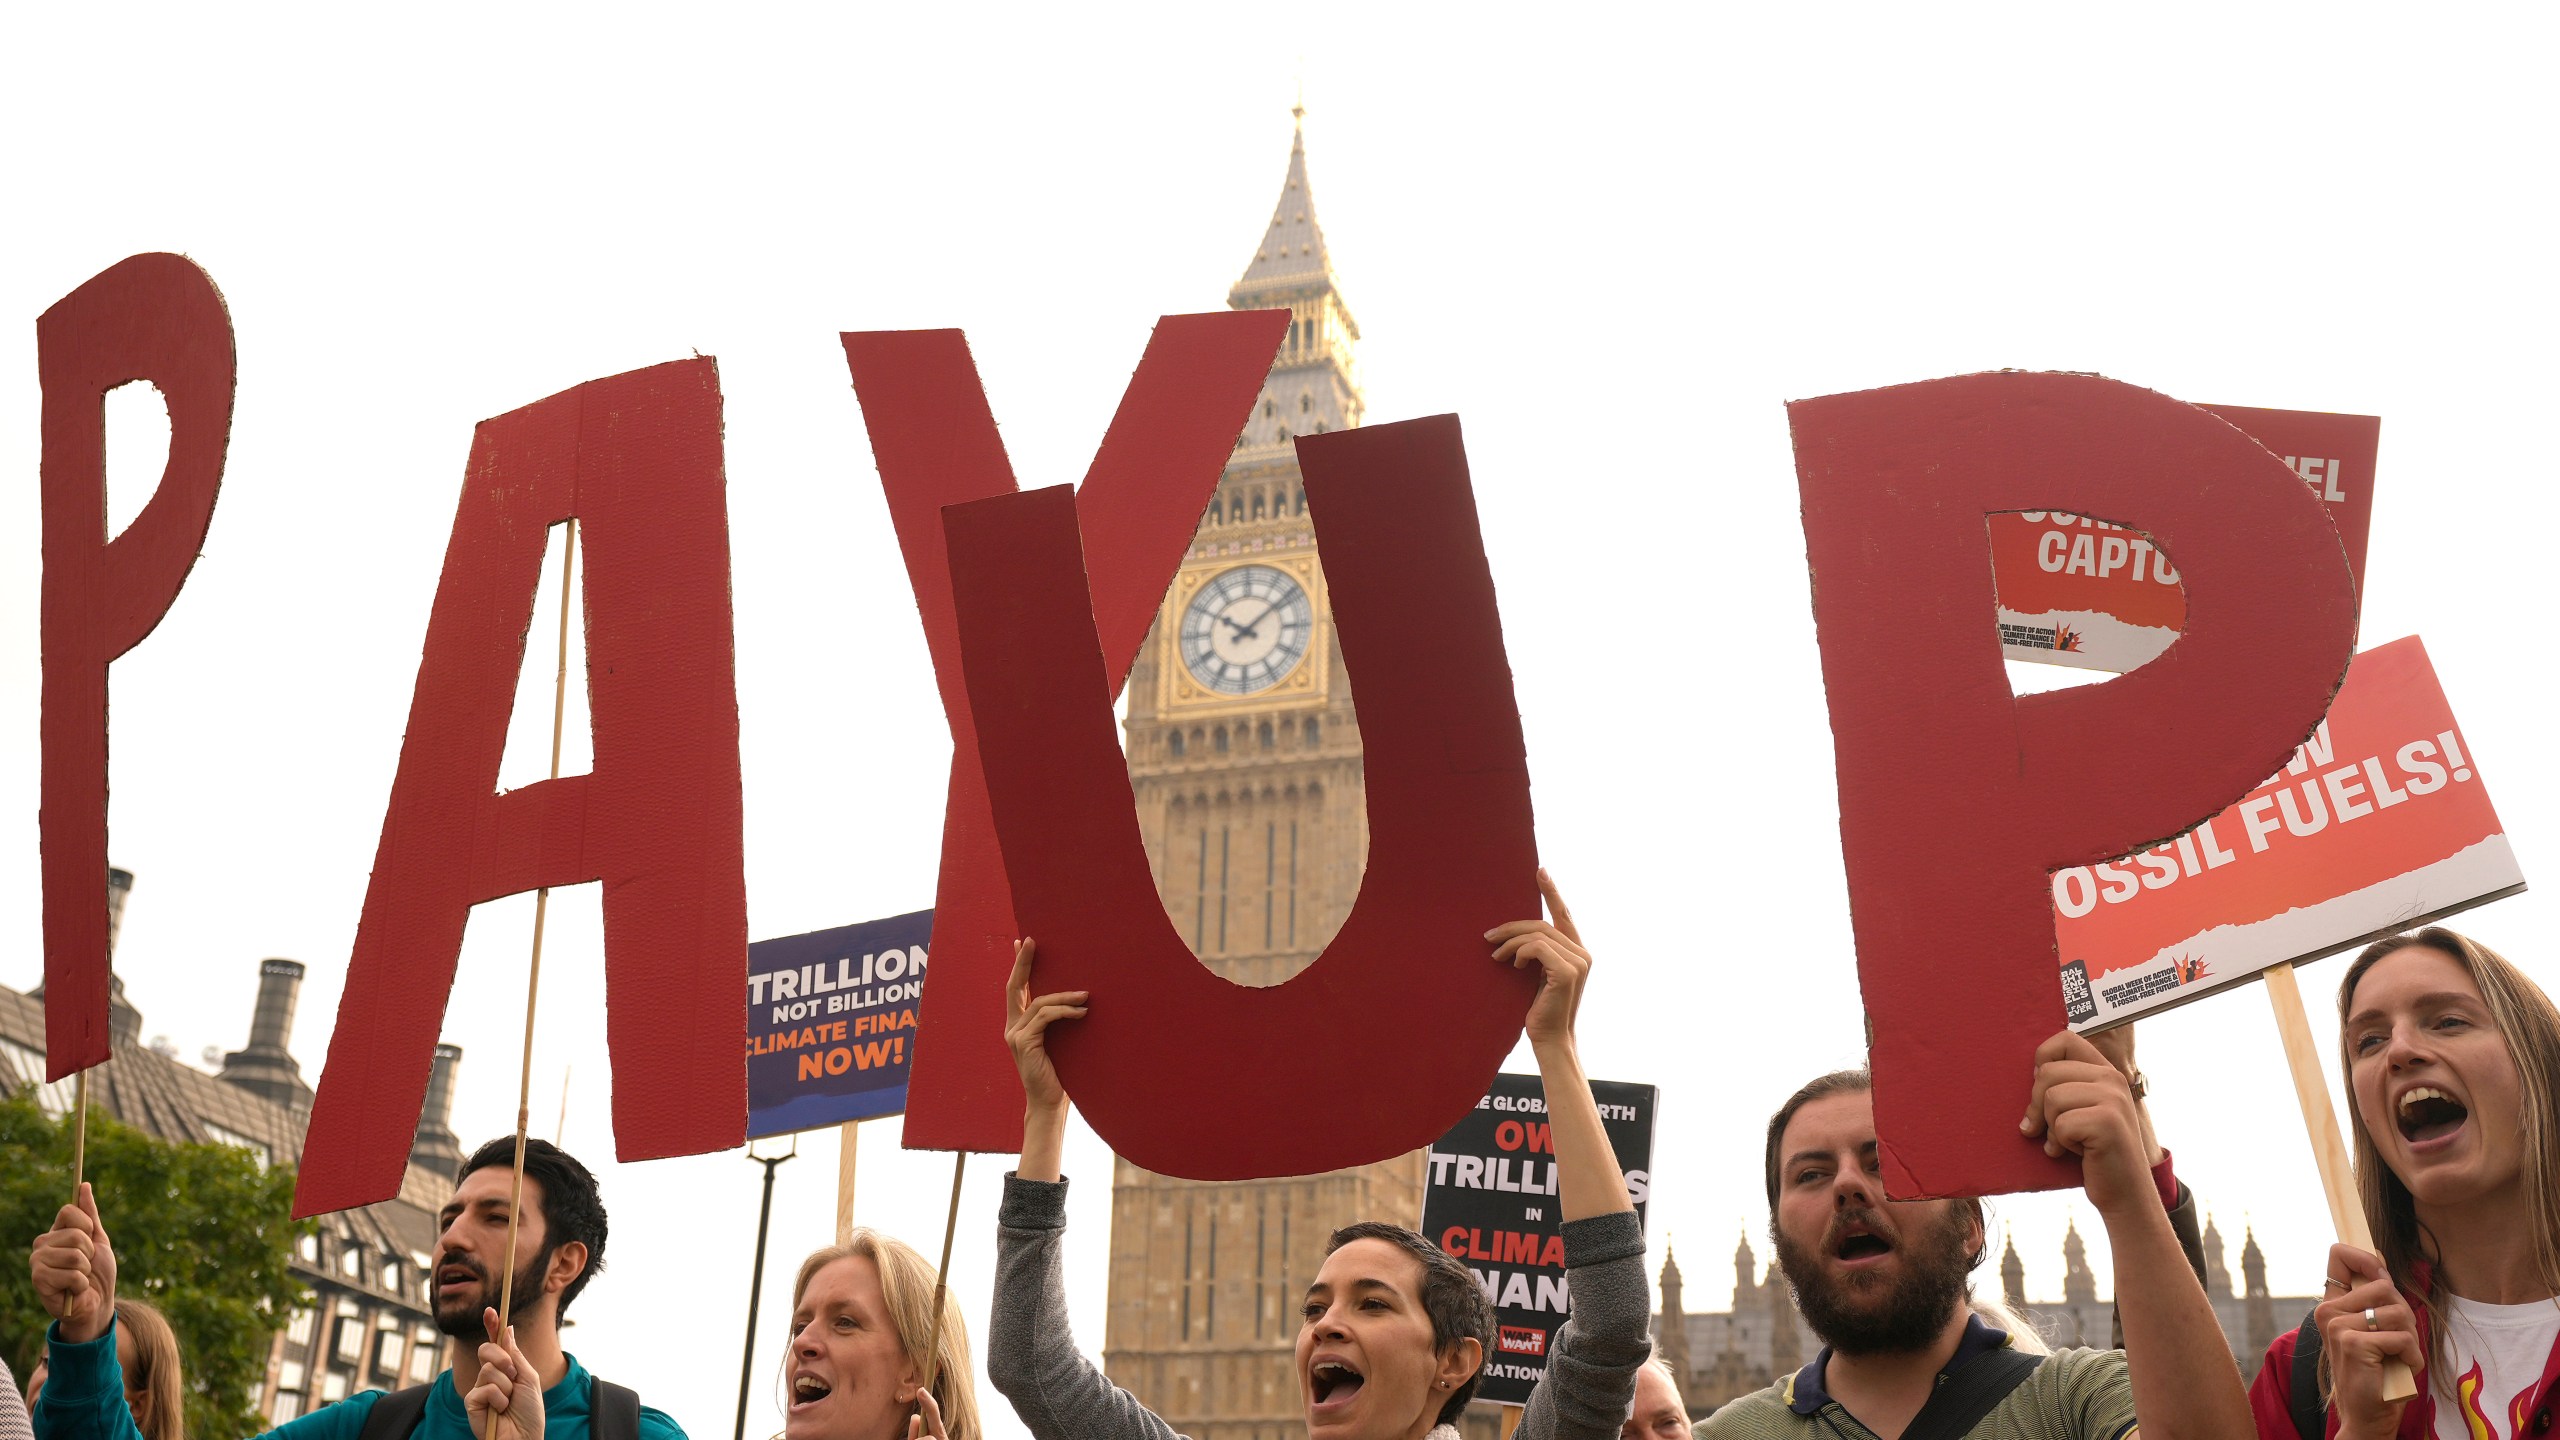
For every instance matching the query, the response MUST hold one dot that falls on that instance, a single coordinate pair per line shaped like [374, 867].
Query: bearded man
[1885, 1285]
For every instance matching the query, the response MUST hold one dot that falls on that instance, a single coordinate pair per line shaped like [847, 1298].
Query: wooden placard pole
[848, 1146]
[533, 972]
[2328, 1143]
[942, 1272]
[1511, 1415]
[79, 1132]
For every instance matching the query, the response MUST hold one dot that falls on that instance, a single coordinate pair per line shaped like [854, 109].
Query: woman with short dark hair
[1393, 1330]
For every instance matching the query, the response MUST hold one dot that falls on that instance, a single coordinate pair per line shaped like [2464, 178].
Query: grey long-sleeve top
[1588, 1391]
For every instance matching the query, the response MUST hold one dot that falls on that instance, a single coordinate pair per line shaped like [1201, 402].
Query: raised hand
[507, 1403]
[1564, 965]
[2082, 1105]
[1588, 1180]
[2360, 1286]
[74, 1267]
[1026, 1030]
[926, 1423]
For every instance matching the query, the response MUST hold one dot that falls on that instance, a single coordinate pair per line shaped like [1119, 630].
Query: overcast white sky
[1614, 240]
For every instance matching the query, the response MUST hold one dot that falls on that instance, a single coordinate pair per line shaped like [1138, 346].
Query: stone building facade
[369, 1324]
[1718, 1356]
[2250, 1316]
[1244, 755]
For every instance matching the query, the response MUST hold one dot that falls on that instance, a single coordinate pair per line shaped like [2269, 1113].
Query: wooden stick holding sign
[533, 976]
[79, 1133]
[942, 1272]
[848, 1150]
[2328, 1145]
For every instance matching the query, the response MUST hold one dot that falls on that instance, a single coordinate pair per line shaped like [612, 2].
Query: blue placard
[831, 1023]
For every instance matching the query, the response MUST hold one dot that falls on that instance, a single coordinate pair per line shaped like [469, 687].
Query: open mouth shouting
[1333, 1382]
[808, 1390]
[2429, 1118]
[1856, 1243]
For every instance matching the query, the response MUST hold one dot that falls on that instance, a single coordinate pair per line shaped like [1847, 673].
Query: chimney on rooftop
[437, 1148]
[124, 1018]
[265, 1067]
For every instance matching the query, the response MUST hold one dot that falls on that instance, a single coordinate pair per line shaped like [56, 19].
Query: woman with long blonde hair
[862, 1341]
[2452, 1061]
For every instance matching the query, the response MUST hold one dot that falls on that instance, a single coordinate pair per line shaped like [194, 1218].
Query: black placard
[1490, 1200]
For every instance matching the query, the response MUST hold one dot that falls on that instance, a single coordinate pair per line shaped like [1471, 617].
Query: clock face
[1246, 630]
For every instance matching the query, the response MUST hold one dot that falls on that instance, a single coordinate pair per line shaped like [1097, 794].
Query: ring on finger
[2337, 1284]
[2370, 1321]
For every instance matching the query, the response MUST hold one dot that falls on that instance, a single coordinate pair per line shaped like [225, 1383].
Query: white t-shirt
[2494, 1357]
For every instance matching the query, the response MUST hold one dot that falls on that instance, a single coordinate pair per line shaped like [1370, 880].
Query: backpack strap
[1964, 1398]
[613, 1411]
[2310, 1404]
[396, 1414]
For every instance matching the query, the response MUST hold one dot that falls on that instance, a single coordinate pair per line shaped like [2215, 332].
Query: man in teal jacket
[563, 1234]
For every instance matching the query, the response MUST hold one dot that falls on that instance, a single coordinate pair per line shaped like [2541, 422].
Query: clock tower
[1244, 754]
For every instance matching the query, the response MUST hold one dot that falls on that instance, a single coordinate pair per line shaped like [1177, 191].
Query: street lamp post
[755, 1282]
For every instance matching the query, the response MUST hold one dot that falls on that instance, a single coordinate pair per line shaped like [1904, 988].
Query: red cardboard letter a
[636, 460]
[1957, 799]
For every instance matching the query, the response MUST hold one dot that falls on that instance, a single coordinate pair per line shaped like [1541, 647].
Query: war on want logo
[1246, 630]
[1522, 1340]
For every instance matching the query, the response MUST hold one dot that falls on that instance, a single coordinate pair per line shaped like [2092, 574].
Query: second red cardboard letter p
[1958, 799]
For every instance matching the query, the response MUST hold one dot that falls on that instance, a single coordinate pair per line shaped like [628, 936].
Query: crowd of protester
[2452, 1064]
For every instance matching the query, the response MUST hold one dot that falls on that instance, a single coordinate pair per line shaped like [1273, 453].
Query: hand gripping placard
[155, 318]
[636, 460]
[1181, 1070]
[935, 442]
[1957, 799]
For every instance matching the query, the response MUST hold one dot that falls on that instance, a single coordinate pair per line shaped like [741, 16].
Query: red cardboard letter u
[636, 460]
[936, 444]
[155, 318]
[1957, 799]
[1181, 1070]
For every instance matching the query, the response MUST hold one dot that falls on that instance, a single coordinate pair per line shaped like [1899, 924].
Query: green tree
[200, 1231]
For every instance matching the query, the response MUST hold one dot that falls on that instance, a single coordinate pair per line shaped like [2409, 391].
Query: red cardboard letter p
[1957, 799]
[155, 318]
